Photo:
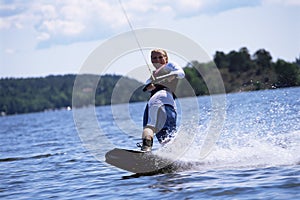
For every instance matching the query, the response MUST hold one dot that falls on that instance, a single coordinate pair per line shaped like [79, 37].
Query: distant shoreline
[239, 70]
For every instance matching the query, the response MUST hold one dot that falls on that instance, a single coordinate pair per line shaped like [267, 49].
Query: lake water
[60, 154]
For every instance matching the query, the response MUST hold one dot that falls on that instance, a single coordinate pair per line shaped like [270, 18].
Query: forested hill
[23, 95]
[240, 71]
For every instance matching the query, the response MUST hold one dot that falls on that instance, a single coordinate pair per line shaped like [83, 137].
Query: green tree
[297, 61]
[221, 60]
[239, 61]
[262, 58]
[288, 73]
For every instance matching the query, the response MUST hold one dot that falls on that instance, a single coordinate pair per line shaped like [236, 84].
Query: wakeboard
[139, 162]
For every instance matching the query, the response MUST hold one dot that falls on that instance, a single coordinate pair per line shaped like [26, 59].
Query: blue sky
[40, 37]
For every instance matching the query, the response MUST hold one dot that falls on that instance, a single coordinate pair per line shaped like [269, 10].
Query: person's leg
[147, 137]
[148, 132]
[166, 124]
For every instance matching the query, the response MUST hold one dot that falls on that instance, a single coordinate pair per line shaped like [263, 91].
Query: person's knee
[148, 132]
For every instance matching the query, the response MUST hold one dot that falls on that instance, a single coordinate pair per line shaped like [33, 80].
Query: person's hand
[150, 87]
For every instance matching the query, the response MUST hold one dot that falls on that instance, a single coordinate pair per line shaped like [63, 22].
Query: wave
[12, 159]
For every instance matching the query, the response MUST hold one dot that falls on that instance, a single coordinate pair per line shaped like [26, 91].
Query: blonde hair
[162, 51]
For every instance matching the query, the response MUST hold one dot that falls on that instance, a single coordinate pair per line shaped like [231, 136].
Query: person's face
[158, 59]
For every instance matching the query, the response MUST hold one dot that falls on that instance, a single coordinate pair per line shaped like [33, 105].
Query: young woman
[160, 113]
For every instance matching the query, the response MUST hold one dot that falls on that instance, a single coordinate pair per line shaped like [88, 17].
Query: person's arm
[167, 77]
[148, 85]
[172, 70]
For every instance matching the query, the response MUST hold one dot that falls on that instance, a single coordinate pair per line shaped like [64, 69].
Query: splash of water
[235, 150]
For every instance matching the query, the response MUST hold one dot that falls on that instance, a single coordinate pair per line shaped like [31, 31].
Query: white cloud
[43, 36]
[73, 28]
[62, 27]
[69, 21]
[72, 21]
[4, 24]
[184, 8]
[10, 51]
[47, 11]
[283, 2]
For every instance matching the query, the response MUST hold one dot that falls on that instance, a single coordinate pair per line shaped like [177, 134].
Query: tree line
[24, 95]
[239, 70]
[242, 71]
